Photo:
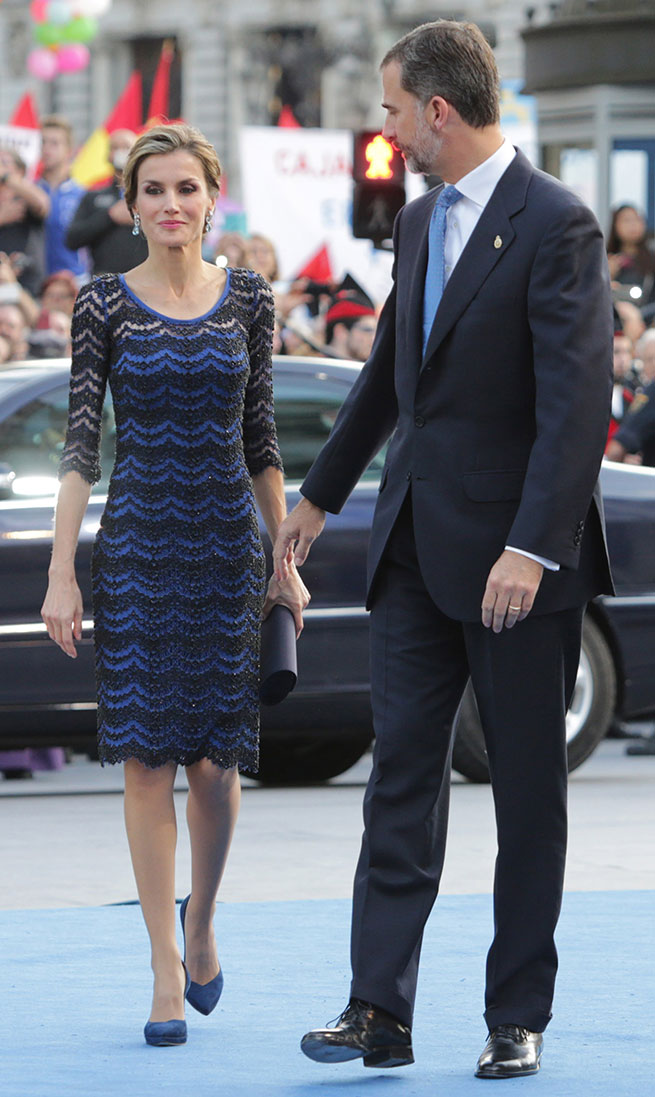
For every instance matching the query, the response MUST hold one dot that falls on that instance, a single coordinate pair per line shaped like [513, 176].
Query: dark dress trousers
[497, 434]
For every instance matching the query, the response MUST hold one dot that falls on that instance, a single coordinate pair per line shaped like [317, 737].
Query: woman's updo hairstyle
[162, 139]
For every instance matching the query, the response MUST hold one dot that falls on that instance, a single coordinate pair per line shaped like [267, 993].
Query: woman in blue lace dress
[178, 565]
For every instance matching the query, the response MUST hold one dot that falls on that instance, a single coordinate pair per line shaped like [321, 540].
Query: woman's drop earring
[209, 223]
[137, 223]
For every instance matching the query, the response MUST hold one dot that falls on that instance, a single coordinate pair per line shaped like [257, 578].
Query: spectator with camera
[11, 291]
[102, 221]
[23, 210]
[631, 258]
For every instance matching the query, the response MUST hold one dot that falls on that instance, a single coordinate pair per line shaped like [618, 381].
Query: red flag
[159, 98]
[288, 120]
[128, 112]
[318, 268]
[26, 114]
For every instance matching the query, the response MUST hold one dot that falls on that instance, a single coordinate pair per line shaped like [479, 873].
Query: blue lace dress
[178, 565]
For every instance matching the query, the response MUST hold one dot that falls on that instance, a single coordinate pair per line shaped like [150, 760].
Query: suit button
[419, 421]
[409, 475]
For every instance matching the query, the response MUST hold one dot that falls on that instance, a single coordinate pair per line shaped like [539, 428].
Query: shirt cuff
[550, 565]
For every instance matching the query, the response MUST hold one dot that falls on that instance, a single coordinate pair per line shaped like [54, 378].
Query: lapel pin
[498, 242]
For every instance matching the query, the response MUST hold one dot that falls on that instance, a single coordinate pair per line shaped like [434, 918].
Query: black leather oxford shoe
[362, 1031]
[510, 1052]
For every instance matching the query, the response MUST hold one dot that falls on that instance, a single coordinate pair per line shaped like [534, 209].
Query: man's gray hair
[455, 61]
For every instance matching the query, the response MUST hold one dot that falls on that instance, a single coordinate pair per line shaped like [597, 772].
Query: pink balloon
[73, 58]
[39, 10]
[43, 64]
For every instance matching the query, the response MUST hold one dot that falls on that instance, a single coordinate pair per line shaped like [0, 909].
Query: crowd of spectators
[336, 319]
[631, 260]
[55, 236]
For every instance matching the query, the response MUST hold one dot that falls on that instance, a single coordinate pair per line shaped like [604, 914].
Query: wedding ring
[515, 609]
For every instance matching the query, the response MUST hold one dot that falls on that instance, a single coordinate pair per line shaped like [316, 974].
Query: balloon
[42, 63]
[81, 29]
[73, 58]
[60, 12]
[39, 10]
[47, 34]
[92, 7]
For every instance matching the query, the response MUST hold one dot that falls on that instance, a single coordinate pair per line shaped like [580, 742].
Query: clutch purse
[278, 662]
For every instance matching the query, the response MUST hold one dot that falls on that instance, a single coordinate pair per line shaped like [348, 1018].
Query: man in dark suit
[487, 540]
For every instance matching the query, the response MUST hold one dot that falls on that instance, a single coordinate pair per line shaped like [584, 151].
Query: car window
[32, 440]
[305, 411]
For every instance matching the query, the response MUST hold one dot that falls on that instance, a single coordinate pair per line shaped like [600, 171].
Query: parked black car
[325, 724]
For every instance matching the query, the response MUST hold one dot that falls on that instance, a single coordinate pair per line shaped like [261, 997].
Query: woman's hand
[290, 592]
[62, 612]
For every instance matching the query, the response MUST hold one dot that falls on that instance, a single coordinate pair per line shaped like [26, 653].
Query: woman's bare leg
[152, 835]
[212, 810]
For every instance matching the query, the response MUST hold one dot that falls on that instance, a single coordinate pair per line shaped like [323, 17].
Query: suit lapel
[489, 241]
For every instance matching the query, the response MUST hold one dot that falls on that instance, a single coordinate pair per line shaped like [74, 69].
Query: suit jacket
[500, 427]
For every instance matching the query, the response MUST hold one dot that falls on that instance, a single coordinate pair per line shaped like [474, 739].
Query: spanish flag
[91, 166]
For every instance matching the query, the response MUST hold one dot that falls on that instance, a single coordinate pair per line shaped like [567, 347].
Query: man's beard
[425, 149]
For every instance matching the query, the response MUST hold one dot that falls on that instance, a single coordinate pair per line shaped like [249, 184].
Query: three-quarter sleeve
[259, 435]
[88, 381]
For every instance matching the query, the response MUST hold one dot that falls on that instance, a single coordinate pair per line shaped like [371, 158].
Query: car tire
[588, 719]
[310, 759]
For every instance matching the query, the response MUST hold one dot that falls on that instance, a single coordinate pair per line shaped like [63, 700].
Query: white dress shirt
[476, 189]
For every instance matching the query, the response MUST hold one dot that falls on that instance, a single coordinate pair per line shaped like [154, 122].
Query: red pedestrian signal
[379, 193]
[375, 158]
[379, 154]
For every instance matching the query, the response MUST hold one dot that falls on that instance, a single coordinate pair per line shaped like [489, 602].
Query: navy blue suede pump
[168, 1033]
[202, 996]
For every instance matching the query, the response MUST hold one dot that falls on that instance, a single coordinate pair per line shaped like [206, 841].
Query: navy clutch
[278, 662]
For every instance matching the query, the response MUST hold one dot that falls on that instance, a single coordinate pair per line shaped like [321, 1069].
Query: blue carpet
[74, 995]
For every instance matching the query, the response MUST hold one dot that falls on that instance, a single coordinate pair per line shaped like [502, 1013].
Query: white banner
[26, 142]
[296, 187]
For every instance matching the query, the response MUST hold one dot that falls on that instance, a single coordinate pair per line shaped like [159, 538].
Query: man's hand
[7, 272]
[119, 213]
[295, 537]
[511, 590]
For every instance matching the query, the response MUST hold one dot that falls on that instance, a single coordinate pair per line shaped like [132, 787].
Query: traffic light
[379, 193]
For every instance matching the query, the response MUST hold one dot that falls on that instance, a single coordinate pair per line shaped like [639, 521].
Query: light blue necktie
[435, 274]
